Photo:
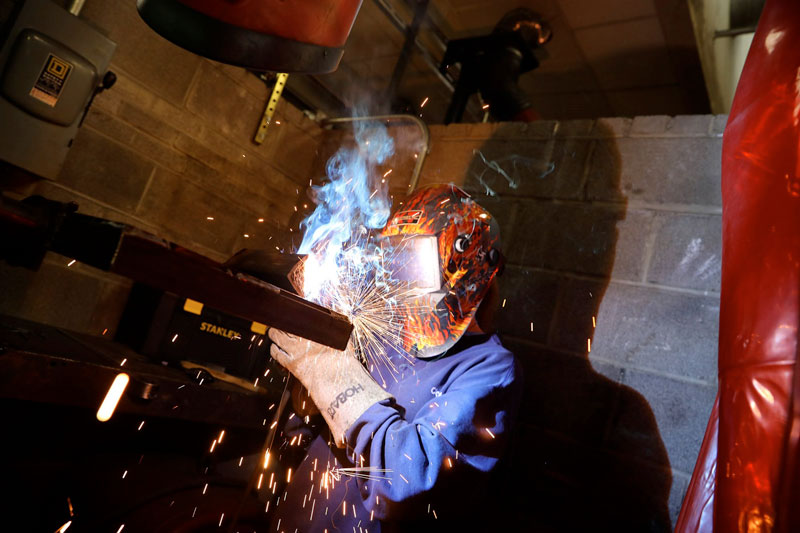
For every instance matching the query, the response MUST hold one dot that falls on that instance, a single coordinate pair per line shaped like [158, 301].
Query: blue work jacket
[423, 457]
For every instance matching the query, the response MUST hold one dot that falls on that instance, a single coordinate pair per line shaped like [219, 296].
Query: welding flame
[343, 268]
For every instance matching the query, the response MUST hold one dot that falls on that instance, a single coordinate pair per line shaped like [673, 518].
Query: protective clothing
[338, 384]
[429, 449]
[468, 240]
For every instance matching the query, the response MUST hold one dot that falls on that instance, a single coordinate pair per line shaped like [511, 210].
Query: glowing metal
[113, 396]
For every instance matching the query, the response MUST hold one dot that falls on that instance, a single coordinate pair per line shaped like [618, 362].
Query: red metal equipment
[754, 445]
[306, 36]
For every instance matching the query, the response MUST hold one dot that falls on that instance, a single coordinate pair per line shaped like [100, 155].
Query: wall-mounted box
[50, 65]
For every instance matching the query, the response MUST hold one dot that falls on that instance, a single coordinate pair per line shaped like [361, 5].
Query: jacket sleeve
[441, 458]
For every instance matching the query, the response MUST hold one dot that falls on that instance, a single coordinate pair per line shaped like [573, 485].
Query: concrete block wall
[167, 147]
[610, 299]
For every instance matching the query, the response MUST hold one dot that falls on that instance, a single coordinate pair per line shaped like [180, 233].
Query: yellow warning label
[58, 68]
[191, 306]
[51, 80]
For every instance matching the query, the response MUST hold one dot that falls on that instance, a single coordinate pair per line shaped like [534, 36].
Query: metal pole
[75, 7]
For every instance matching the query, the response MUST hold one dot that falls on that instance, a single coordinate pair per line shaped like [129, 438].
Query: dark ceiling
[606, 58]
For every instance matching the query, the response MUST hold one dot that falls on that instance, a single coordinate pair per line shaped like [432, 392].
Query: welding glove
[339, 385]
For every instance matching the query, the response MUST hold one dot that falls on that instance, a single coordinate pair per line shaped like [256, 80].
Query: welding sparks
[588, 345]
[266, 459]
[385, 174]
[594, 322]
[141, 425]
[485, 107]
[209, 218]
[71, 263]
[362, 472]
[175, 337]
[289, 476]
[113, 396]
[423, 103]
[125, 360]
[121, 528]
[489, 432]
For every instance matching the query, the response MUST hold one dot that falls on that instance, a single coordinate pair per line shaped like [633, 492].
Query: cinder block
[612, 127]
[574, 128]
[688, 252]
[539, 129]
[632, 245]
[664, 331]
[153, 61]
[111, 300]
[105, 170]
[248, 80]
[680, 484]
[718, 125]
[575, 238]
[104, 123]
[604, 172]
[146, 121]
[180, 208]
[200, 152]
[526, 297]
[689, 125]
[294, 155]
[234, 112]
[663, 170]
[254, 196]
[551, 168]
[578, 302]
[448, 162]
[159, 152]
[681, 410]
[56, 294]
[649, 125]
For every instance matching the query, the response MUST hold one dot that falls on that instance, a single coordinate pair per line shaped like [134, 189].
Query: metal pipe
[394, 118]
[424, 52]
[75, 7]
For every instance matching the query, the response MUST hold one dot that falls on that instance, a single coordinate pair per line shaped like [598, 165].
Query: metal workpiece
[37, 225]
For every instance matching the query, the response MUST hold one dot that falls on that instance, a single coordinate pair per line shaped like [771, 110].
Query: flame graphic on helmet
[468, 240]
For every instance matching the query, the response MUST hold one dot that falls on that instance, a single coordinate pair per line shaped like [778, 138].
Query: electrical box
[50, 65]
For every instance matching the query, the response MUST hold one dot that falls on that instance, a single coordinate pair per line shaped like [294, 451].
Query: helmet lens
[414, 261]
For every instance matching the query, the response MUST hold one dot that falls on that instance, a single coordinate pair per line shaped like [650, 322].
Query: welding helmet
[445, 248]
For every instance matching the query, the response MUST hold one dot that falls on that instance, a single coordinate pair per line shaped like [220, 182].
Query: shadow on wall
[637, 83]
[587, 454]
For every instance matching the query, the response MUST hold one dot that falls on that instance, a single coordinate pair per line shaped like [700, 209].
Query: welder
[424, 442]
